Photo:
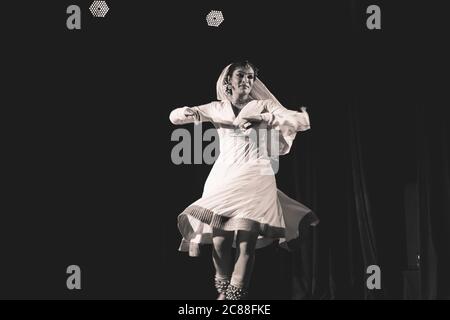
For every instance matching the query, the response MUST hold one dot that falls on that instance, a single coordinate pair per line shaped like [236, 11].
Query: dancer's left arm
[284, 121]
[279, 118]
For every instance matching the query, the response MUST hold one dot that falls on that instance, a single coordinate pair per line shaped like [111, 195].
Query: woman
[241, 205]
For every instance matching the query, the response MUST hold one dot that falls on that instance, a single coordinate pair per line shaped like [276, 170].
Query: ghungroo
[221, 285]
[235, 293]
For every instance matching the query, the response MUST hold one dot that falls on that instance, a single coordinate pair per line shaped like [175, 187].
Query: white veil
[259, 90]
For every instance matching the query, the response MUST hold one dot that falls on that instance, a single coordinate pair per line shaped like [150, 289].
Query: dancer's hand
[190, 114]
[248, 121]
[253, 119]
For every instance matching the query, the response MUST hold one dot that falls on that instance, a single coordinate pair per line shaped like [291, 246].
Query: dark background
[89, 179]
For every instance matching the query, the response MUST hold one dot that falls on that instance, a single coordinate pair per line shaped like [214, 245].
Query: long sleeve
[202, 113]
[177, 116]
[288, 123]
[288, 120]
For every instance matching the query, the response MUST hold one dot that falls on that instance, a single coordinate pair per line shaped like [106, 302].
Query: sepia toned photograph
[218, 150]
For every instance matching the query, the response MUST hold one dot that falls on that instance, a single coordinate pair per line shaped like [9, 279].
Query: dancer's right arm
[182, 115]
[194, 114]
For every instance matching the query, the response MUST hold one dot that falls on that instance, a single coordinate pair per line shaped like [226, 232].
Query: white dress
[240, 192]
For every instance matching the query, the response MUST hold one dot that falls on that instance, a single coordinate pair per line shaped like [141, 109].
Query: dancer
[241, 206]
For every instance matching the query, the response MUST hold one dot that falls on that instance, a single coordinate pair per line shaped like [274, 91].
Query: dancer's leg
[222, 259]
[243, 267]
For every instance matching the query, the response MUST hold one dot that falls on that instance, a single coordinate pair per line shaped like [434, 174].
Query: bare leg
[222, 258]
[245, 259]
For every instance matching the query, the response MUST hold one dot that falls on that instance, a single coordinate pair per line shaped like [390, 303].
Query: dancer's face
[242, 80]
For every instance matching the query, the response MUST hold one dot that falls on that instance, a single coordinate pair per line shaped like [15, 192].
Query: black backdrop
[91, 179]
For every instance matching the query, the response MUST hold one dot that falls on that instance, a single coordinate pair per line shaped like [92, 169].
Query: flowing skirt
[243, 197]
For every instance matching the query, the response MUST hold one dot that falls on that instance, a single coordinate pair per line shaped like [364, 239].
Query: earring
[228, 89]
